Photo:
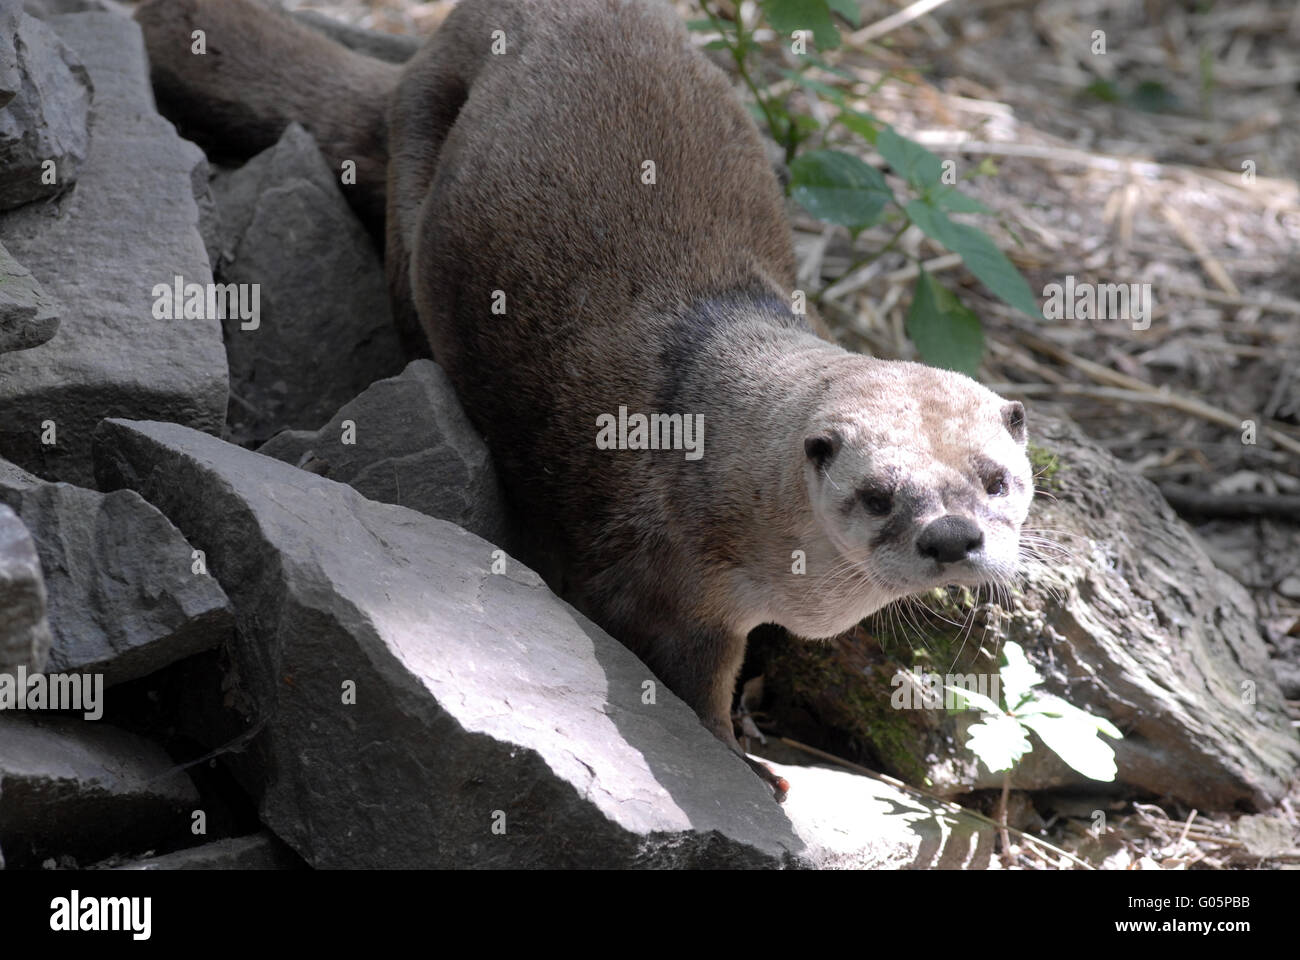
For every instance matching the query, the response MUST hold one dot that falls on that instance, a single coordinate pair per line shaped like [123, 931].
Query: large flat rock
[130, 224]
[852, 822]
[75, 788]
[260, 851]
[480, 698]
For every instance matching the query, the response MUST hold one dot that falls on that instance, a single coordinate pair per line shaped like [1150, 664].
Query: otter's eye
[877, 502]
[996, 485]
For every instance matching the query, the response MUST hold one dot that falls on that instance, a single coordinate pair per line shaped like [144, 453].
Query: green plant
[1072, 734]
[838, 187]
[1002, 738]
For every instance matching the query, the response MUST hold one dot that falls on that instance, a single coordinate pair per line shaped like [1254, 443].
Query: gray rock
[1137, 624]
[28, 315]
[286, 227]
[393, 47]
[11, 80]
[474, 692]
[130, 224]
[25, 636]
[124, 599]
[260, 851]
[80, 789]
[210, 227]
[45, 118]
[52, 8]
[413, 446]
[851, 822]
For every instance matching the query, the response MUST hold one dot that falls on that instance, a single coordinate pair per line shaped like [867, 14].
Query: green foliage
[1149, 95]
[978, 252]
[837, 187]
[787, 16]
[1001, 739]
[948, 334]
[1046, 465]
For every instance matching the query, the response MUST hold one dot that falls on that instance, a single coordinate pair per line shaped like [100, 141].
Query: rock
[101, 250]
[851, 822]
[49, 94]
[28, 315]
[25, 636]
[325, 330]
[1266, 836]
[1127, 618]
[480, 699]
[11, 80]
[1288, 678]
[413, 446]
[69, 787]
[261, 851]
[393, 47]
[51, 8]
[124, 599]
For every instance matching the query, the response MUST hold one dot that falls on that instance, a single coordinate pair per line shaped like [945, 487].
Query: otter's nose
[949, 539]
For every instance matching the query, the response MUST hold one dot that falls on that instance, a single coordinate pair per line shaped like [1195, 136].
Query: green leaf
[848, 9]
[815, 61]
[999, 741]
[1103, 90]
[1018, 675]
[1050, 705]
[839, 188]
[975, 699]
[1153, 97]
[804, 125]
[863, 124]
[825, 90]
[716, 45]
[950, 198]
[702, 25]
[787, 16]
[1072, 735]
[911, 161]
[923, 170]
[981, 256]
[946, 333]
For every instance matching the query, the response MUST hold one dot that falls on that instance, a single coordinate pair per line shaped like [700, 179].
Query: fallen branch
[1203, 503]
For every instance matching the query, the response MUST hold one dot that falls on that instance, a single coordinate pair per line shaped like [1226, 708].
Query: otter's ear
[1013, 418]
[821, 446]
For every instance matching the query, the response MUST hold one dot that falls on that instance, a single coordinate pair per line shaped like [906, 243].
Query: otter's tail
[252, 70]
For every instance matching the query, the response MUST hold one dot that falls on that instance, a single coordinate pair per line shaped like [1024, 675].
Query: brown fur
[521, 173]
[262, 70]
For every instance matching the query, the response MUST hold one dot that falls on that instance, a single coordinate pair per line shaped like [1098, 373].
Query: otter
[580, 215]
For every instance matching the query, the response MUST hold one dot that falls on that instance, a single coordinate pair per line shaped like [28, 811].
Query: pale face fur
[895, 448]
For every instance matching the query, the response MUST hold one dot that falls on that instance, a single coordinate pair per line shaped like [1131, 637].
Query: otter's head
[919, 477]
